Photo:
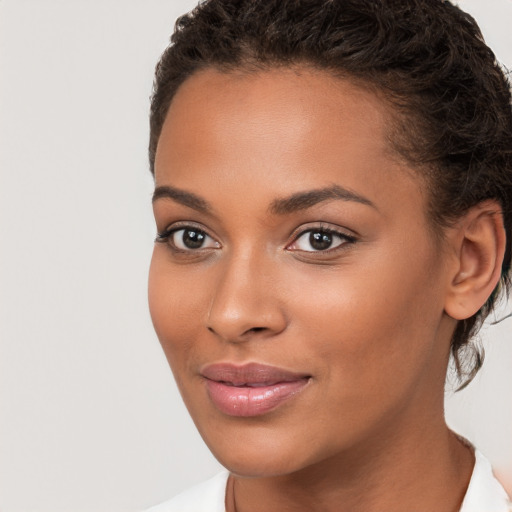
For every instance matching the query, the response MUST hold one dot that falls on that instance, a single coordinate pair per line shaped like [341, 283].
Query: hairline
[252, 66]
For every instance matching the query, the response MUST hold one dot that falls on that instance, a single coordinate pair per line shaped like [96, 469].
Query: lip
[252, 389]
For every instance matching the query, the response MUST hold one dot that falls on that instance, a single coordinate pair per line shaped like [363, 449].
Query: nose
[245, 303]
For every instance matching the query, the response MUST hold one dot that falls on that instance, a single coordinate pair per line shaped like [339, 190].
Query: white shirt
[484, 494]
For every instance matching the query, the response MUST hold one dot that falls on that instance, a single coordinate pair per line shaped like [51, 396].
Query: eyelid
[349, 236]
[163, 236]
[182, 224]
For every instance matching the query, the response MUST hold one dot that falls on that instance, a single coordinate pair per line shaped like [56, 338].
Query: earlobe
[480, 247]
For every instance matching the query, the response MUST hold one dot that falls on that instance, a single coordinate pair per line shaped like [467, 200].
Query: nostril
[252, 329]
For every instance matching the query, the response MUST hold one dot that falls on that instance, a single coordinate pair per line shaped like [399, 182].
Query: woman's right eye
[187, 239]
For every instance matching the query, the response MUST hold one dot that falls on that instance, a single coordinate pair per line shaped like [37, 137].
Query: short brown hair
[427, 57]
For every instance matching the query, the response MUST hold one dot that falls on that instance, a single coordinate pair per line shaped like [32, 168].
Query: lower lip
[247, 401]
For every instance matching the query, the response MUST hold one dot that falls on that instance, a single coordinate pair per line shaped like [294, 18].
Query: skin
[365, 319]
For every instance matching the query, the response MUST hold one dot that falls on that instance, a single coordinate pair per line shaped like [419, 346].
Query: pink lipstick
[252, 389]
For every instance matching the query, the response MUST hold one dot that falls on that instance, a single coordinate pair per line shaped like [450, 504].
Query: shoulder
[484, 491]
[207, 496]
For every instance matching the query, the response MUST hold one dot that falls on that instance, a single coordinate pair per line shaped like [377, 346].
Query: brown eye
[187, 239]
[318, 240]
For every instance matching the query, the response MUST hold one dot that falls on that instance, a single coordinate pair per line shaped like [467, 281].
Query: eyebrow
[282, 206]
[310, 198]
[183, 197]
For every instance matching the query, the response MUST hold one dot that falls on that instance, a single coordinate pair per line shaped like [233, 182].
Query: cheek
[175, 304]
[373, 321]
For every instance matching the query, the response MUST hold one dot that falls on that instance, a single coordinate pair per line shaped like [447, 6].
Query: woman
[333, 199]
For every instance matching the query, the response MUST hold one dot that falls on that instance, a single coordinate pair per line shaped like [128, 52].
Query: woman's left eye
[318, 240]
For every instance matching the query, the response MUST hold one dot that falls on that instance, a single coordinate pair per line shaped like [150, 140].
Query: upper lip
[249, 374]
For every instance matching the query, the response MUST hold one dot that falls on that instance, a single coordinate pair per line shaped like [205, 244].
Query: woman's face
[295, 287]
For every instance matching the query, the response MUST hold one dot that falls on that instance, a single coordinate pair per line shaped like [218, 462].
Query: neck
[429, 470]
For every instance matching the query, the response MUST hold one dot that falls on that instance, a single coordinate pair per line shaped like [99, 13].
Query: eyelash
[165, 237]
[345, 239]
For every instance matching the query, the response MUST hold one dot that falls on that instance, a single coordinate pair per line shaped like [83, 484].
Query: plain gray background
[90, 419]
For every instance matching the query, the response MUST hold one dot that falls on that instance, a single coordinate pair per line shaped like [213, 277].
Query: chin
[261, 451]
[263, 465]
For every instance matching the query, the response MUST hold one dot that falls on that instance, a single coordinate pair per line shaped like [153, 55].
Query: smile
[252, 389]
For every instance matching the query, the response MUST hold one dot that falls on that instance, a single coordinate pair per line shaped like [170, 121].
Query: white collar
[485, 493]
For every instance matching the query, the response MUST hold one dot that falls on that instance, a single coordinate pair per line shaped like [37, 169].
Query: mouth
[252, 389]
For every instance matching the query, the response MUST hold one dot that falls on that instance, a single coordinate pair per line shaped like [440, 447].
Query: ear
[479, 245]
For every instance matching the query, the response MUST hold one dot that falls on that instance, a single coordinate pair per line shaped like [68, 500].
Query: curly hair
[427, 58]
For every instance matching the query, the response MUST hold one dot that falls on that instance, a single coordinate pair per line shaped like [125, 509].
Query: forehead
[284, 130]
[284, 102]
